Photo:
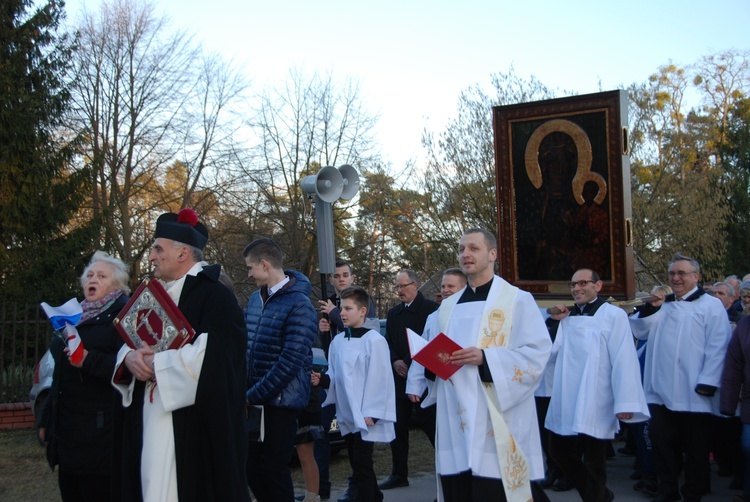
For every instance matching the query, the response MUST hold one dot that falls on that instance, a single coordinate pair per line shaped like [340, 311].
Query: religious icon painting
[563, 193]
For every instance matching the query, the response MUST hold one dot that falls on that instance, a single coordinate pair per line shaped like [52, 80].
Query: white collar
[174, 288]
[276, 287]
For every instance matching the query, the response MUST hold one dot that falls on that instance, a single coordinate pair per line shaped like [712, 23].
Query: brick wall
[16, 416]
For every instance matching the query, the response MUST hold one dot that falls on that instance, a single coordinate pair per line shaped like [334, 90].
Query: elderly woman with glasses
[76, 423]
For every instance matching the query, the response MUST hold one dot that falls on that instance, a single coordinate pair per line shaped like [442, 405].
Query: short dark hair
[264, 249]
[489, 237]
[344, 263]
[594, 276]
[358, 295]
[455, 271]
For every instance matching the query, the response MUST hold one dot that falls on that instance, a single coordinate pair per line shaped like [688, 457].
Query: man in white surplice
[596, 383]
[485, 446]
[687, 342]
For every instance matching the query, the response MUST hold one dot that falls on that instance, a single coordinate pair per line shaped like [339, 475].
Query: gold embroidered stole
[494, 331]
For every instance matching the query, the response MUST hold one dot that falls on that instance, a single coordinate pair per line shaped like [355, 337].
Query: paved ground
[422, 487]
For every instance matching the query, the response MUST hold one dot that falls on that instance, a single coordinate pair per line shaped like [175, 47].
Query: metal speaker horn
[328, 184]
[351, 181]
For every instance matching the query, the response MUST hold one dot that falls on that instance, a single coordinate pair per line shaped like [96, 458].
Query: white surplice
[687, 343]
[177, 373]
[416, 383]
[548, 377]
[596, 375]
[362, 386]
[464, 439]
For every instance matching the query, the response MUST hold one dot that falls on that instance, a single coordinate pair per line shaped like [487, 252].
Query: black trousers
[465, 487]
[542, 405]
[83, 487]
[268, 473]
[583, 460]
[678, 435]
[363, 471]
[322, 448]
[400, 445]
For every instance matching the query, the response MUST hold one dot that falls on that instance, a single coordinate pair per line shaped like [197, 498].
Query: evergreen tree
[736, 155]
[40, 256]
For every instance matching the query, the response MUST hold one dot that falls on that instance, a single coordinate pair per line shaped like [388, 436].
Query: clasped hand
[140, 363]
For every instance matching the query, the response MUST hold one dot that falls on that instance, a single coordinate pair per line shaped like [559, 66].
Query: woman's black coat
[78, 412]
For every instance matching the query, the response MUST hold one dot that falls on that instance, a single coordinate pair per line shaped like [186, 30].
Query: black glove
[705, 390]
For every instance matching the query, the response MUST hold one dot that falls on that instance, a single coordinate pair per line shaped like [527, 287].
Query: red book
[435, 354]
[151, 319]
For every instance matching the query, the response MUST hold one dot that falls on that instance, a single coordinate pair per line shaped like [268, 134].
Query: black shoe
[347, 497]
[672, 497]
[393, 482]
[547, 482]
[562, 485]
[609, 496]
[646, 487]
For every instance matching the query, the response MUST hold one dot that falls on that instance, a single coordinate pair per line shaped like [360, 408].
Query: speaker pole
[326, 248]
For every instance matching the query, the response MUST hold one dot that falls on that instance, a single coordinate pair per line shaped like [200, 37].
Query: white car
[41, 385]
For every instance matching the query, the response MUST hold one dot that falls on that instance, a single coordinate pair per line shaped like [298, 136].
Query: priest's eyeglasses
[580, 284]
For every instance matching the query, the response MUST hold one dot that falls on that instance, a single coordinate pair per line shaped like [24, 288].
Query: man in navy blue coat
[281, 327]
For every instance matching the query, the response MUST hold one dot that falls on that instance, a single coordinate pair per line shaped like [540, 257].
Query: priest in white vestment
[687, 341]
[486, 446]
[596, 384]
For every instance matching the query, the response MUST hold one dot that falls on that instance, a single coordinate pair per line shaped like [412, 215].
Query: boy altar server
[359, 383]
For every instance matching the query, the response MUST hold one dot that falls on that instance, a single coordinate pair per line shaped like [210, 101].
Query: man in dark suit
[411, 313]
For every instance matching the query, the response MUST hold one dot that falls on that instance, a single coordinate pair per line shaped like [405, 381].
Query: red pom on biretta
[182, 227]
[187, 215]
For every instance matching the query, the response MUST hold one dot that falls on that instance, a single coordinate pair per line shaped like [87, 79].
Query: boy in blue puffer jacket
[281, 326]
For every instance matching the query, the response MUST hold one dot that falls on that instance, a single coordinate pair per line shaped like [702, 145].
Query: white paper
[416, 342]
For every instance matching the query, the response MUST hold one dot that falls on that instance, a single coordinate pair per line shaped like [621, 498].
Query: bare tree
[153, 109]
[459, 181]
[307, 123]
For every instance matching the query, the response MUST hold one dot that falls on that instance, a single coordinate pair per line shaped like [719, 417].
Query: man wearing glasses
[411, 313]
[687, 341]
[595, 384]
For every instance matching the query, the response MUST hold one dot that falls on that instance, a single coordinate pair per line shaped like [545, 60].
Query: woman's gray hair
[120, 270]
[745, 286]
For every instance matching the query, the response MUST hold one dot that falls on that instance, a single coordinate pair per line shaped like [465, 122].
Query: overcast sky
[413, 57]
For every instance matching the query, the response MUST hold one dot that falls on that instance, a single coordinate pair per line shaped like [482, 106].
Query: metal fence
[25, 334]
